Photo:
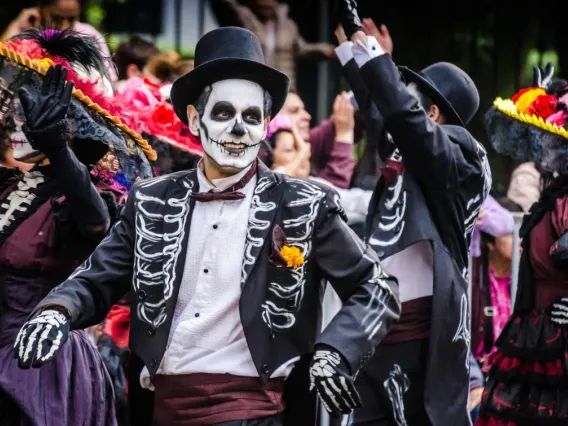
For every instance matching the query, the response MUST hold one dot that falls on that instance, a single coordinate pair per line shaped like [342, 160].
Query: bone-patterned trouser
[391, 387]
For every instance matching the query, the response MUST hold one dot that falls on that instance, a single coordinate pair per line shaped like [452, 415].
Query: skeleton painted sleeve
[370, 296]
[103, 279]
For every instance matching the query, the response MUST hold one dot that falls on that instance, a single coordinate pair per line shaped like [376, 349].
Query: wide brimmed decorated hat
[154, 117]
[102, 137]
[532, 125]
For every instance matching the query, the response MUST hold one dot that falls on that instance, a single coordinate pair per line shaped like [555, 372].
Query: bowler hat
[223, 54]
[450, 88]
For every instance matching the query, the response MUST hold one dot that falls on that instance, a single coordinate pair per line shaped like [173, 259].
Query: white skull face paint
[22, 148]
[232, 126]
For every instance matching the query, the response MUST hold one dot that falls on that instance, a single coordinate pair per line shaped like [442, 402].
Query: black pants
[392, 387]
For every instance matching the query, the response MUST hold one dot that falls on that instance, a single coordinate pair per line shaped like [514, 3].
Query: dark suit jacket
[437, 199]
[280, 308]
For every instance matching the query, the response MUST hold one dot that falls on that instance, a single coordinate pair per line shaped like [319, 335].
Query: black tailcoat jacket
[280, 308]
[437, 198]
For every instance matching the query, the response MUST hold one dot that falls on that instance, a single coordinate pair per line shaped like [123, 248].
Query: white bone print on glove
[328, 375]
[559, 312]
[40, 338]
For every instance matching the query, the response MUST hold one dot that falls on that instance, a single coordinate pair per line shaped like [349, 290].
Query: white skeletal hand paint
[337, 392]
[232, 126]
[39, 339]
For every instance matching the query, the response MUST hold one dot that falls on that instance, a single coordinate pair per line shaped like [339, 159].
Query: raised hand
[382, 34]
[40, 338]
[329, 376]
[344, 118]
[45, 125]
[349, 17]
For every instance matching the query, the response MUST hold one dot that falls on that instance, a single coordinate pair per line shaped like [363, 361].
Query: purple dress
[39, 248]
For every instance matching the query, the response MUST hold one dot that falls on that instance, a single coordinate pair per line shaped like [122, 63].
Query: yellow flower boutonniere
[293, 256]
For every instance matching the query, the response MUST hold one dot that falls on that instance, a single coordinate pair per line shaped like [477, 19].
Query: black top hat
[450, 88]
[228, 53]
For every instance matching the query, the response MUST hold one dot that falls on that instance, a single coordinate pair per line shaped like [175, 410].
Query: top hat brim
[433, 93]
[187, 89]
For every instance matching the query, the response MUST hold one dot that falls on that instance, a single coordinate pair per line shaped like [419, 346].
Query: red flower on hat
[544, 106]
[163, 118]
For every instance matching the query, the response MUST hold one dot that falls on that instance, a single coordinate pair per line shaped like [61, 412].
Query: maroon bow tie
[391, 171]
[231, 193]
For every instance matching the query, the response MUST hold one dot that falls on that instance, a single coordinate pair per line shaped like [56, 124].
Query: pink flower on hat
[558, 118]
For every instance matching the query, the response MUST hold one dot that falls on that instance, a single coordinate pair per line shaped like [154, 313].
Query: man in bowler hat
[434, 178]
[225, 265]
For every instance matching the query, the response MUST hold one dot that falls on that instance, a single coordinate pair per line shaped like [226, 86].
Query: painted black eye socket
[252, 115]
[222, 111]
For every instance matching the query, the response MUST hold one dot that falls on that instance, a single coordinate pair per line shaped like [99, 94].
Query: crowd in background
[297, 146]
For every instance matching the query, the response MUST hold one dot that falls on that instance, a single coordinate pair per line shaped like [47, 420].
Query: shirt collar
[221, 184]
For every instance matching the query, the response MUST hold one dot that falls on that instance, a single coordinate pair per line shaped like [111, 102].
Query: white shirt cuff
[363, 53]
[344, 52]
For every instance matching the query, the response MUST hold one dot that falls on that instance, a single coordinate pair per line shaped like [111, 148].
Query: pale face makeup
[22, 148]
[233, 124]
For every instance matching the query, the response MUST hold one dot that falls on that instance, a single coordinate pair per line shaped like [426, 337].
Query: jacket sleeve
[371, 114]
[103, 279]
[369, 295]
[426, 149]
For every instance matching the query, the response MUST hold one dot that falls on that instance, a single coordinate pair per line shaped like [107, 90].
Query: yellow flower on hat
[527, 98]
[293, 256]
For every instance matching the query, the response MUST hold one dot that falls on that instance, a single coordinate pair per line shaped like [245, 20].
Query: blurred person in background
[525, 185]
[288, 153]
[61, 15]
[278, 33]
[331, 142]
[492, 253]
[131, 58]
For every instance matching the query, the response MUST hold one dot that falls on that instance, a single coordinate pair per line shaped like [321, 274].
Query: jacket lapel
[178, 210]
[267, 195]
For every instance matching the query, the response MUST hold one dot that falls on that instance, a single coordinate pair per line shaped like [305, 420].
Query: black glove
[40, 338]
[543, 77]
[45, 125]
[329, 376]
[47, 130]
[349, 18]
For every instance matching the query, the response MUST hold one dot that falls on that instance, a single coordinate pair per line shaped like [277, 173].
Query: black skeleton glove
[47, 130]
[349, 17]
[40, 338]
[329, 375]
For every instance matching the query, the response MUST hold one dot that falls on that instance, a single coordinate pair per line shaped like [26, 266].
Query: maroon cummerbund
[207, 399]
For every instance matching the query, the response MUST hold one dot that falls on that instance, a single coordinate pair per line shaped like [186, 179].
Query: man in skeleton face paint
[225, 264]
[434, 178]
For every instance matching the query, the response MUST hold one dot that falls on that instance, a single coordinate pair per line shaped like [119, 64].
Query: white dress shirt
[206, 334]
[413, 266]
